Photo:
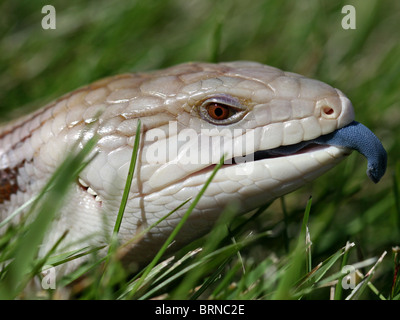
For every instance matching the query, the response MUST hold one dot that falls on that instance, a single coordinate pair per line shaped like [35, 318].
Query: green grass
[19, 252]
[257, 256]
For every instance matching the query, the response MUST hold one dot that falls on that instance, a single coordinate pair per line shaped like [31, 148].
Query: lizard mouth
[282, 151]
[354, 136]
[309, 160]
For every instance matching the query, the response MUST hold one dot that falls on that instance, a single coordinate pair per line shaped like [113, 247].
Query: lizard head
[266, 123]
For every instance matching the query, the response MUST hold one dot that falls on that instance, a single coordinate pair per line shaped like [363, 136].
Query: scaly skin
[272, 108]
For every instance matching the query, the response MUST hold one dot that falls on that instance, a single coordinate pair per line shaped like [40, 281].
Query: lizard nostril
[327, 110]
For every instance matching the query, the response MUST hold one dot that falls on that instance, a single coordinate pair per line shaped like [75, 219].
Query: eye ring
[222, 110]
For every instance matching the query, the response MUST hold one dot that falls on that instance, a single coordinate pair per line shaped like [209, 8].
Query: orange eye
[218, 111]
[221, 109]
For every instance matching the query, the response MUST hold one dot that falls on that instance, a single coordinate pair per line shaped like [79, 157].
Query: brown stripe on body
[8, 183]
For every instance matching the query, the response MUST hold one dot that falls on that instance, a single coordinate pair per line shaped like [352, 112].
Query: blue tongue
[354, 136]
[358, 137]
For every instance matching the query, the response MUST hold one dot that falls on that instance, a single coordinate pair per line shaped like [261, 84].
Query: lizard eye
[218, 111]
[222, 110]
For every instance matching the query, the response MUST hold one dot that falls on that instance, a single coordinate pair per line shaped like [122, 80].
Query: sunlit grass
[18, 256]
[212, 268]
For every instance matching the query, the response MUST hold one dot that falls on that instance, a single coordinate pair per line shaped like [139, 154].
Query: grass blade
[27, 247]
[358, 290]
[296, 267]
[114, 238]
[396, 274]
[339, 287]
[128, 180]
[177, 228]
[305, 236]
